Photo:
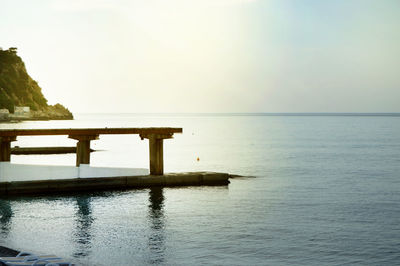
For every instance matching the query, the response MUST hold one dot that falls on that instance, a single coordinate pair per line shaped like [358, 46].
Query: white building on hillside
[4, 114]
[22, 111]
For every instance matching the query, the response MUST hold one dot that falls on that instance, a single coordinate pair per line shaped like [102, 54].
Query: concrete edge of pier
[110, 183]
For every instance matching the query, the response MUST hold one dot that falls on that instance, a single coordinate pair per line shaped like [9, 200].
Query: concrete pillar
[156, 156]
[5, 148]
[83, 148]
[156, 151]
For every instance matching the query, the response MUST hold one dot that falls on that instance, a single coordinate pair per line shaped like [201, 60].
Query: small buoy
[198, 159]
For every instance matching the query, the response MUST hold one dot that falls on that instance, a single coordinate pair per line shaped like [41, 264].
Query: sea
[310, 189]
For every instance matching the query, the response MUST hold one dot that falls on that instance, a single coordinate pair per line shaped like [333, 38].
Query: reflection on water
[79, 211]
[84, 220]
[326, 192]
[157, 226]
[5, 217]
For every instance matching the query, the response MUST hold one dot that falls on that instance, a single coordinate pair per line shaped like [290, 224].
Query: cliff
[17, 88]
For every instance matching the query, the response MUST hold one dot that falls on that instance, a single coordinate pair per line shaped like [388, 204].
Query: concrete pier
[155, 135]
[38, 179]
[83, 148]
[5, 147]
[113, 183]
[43, 150]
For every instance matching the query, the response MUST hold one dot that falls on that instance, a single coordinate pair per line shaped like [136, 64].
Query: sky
[134, 56]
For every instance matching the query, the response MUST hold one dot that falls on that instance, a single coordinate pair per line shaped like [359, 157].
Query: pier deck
[155, 135]
[33, 179]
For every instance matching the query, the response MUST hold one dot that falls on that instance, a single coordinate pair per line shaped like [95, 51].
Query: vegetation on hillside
[17, 88]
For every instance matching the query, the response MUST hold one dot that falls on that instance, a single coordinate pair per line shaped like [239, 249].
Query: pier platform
[113, 183]
[39, 179]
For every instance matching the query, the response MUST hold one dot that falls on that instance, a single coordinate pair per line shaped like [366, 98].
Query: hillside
[17, 88]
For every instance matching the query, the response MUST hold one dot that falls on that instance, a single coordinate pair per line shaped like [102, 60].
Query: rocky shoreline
[51, 112]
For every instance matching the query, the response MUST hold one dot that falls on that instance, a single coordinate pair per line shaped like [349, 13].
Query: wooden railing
[155, 135]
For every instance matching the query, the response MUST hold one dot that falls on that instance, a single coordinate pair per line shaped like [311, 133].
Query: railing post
[83, 148]
[5, 148]
[156, 151]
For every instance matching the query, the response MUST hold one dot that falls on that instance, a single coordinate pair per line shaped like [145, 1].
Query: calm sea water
[321, 190]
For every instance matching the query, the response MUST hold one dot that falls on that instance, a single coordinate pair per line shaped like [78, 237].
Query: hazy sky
[210, 55]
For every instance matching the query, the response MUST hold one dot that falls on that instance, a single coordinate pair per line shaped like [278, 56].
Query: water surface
[324, 190]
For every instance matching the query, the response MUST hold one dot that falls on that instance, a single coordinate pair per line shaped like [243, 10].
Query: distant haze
[210, 55]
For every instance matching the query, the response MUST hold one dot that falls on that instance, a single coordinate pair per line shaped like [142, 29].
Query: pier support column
[83, 148]
[5, 148]
[156, 151]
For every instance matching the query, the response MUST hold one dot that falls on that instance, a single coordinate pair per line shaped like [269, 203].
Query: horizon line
[249, 113]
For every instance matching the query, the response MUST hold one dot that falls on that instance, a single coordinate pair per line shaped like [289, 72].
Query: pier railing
[155, 135]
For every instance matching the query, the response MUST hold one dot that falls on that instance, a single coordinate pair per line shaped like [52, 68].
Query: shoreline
[19, 120]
